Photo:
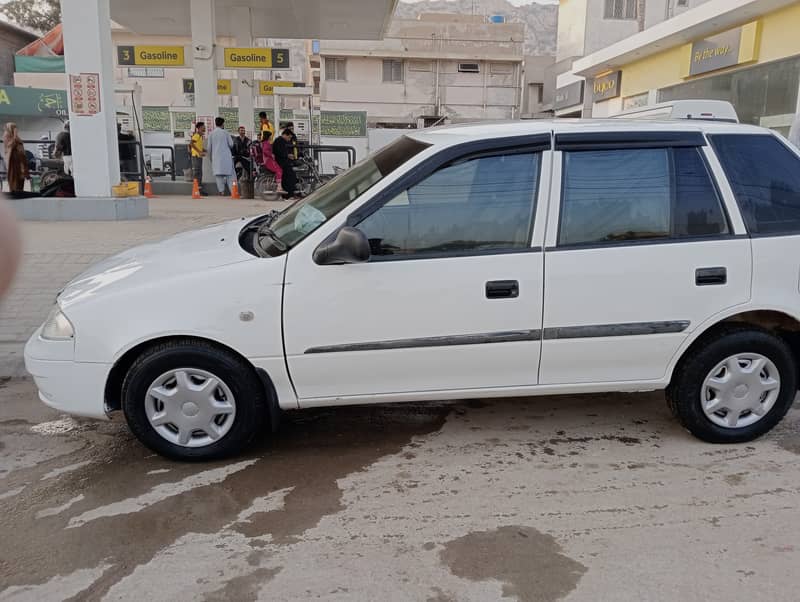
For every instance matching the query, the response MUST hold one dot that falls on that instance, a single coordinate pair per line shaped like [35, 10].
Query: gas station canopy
[299, 19]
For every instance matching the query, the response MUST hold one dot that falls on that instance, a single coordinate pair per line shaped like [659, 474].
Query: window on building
[635, 195]
[420, 66]
[683, 2]
[469, 68]
[622, 9]
[480, 204]
[392, 70]
[765, 177]
[501, 68]
[335, 69]
[316, 84]
[145, 72]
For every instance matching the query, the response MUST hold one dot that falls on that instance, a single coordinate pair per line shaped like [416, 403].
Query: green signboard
[344, 124]
[231, 117]
[286, 115]
[183, 121]
[155, 119]
[33, 102]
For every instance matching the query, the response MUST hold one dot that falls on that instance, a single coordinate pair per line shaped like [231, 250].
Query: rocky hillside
[541, 19]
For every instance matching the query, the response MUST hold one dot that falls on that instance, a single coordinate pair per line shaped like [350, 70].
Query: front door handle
[711, 276]
[502, 289]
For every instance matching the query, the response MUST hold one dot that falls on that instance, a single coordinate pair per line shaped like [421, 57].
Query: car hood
[192, 251]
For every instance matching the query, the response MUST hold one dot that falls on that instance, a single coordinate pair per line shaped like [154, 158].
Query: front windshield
[302, 218]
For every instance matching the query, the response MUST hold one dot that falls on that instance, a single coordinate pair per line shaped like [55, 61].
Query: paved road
[583, 499]
[55, 252]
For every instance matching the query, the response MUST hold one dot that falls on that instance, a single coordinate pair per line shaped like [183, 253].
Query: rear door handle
[710, 276]
[502, 289]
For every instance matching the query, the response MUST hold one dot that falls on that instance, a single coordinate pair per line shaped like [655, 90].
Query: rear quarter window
[765, 177]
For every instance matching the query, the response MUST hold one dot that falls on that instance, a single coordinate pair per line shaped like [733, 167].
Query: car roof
[455, 134]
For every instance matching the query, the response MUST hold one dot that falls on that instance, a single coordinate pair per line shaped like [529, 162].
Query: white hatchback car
[490, 260]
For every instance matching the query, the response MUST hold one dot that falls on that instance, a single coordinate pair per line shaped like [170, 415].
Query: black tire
[251, 416]
[684, 393]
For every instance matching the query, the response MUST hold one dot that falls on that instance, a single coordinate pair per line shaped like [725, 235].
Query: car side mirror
[346, 245]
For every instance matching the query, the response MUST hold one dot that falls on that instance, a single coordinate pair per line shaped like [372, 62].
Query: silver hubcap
[740, 390]
[190, 407]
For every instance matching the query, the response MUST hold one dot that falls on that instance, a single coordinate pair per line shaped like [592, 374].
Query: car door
[640, 252]
[451, 298]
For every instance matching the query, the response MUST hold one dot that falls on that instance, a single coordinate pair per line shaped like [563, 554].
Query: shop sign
[344, 124]
[32, 102]
[607, 86]
[716, 52]
[256, 58]
[569, 96]
[153, 56]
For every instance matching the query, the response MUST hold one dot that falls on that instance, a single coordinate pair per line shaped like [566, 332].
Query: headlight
[57, 327]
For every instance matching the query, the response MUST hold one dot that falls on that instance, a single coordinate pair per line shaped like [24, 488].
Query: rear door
[640, 252]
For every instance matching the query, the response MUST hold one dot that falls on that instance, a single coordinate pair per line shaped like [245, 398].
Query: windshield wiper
[265, 230]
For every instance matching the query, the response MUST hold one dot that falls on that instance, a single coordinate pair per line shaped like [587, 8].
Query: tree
[39, 15]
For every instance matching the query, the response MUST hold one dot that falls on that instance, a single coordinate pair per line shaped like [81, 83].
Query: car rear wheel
[735, 387]
[189, 400]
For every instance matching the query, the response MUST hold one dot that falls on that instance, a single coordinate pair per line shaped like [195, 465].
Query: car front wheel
[735, 387]
[188, 400]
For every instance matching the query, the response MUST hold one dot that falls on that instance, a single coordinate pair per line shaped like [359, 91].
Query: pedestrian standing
[220, 150]
[198, 152]
[64, 148]
[284, 156]
[295, 146]
[16, 160]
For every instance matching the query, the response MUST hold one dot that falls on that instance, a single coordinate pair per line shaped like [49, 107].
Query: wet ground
[580, 498]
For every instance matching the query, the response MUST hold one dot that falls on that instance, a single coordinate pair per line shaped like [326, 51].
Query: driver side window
[469, 206]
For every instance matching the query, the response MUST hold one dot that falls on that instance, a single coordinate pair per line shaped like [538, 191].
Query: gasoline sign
[256, 58]
[156, 56]
[267, 88]
[224, 87]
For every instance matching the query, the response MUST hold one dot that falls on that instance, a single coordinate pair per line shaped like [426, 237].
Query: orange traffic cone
[148, 188]
[196, 190]
[235, 190]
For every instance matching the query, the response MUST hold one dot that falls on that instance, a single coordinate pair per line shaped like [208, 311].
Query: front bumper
[76, 388]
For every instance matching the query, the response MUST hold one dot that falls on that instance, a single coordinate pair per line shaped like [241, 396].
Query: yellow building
[743, 51]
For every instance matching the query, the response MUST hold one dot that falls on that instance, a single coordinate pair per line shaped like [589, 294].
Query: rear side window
[765, 178]
[638, 195]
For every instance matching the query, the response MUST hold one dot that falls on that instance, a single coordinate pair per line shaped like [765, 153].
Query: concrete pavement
[56, 252]
[582, 499]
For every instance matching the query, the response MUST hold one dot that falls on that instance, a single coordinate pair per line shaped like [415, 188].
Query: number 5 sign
[84, 91]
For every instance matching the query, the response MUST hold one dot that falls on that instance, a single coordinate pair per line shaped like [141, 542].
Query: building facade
[743, 51]
[588, 26]
[440, 68]
[12, 39]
